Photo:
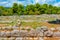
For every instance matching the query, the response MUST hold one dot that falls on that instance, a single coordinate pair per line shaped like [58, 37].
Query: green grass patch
[32, 24]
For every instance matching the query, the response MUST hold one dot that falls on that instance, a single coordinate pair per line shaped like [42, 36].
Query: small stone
[48, 33]
[56, 34]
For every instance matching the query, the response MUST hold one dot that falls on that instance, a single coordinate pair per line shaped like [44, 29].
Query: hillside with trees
[36, 9]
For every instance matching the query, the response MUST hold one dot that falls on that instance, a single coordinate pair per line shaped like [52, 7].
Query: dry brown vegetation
[49, 25]
[52, 38]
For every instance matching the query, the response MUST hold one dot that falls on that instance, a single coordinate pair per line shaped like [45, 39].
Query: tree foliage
[36, 9]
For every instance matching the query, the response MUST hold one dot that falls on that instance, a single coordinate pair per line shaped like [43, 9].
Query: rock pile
[38, 32]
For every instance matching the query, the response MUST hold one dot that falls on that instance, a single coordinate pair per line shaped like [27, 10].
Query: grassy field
[30, 20]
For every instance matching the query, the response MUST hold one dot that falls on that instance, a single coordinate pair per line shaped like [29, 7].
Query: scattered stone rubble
[39, 31]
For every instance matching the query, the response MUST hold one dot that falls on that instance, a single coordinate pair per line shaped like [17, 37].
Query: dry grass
[39, 24]
[52, 38]
[49, 25]
[3, 25]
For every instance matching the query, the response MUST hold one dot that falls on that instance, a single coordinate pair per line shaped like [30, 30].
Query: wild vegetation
[36, 9]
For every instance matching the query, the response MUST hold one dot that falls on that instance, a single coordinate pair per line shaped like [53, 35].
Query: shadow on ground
[57, 21]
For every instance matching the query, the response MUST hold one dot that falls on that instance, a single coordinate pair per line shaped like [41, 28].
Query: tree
[10, 11]
[50, 9]
[20, 9]
[44, 9]
[15, 8]
[37, 6]
[58, 10]
[37, 13]
[1, 10]
[30, 9]
[31, 12]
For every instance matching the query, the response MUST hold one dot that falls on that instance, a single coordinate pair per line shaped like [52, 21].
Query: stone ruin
[38, 32]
